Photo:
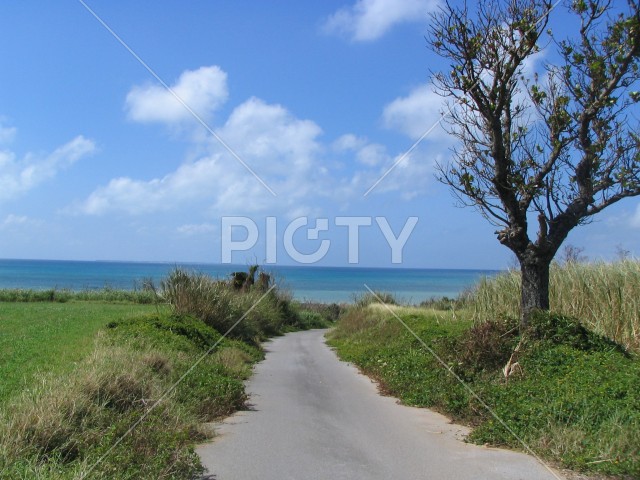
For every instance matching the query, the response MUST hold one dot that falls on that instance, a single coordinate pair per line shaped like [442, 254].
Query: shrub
[444, 303]
[157, 329]
[106, 294]
[329, 311]
[486, 346]
[562, 330]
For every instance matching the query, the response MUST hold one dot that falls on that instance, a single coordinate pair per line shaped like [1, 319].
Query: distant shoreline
[313, 283]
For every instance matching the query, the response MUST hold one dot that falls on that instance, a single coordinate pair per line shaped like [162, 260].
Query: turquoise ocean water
[323, 284]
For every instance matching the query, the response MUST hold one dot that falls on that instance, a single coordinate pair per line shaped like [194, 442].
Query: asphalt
[312, 416]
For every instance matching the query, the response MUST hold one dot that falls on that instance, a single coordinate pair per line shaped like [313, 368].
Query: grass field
[50, 337]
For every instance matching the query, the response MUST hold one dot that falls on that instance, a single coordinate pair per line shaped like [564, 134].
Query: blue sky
[98, 161]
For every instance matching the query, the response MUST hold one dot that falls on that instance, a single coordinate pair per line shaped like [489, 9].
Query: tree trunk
[535, 287]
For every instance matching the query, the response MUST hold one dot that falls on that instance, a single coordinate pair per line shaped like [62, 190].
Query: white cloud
[372, 155]
[189, 182]
[348, 142]
[204, 90]
[14, 223]
[279, 147]
[196, 229]
[416, 113]
[368, 20]
[365, 153]
[19, 176]
[11, 220]
[270, 138]
[284, 151]
[409, 174]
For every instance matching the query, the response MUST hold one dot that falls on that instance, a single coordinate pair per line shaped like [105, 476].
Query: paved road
[314, 417]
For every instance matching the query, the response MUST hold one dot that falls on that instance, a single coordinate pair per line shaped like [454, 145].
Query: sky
[274, 112]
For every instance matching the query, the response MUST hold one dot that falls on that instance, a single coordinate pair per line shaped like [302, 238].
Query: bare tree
[539, 155]
[572, 254]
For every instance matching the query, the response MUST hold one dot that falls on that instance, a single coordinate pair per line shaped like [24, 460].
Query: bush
[486, 346]
[562, 330]
[444, 303]
[328, 311]
[106, 294]
[22, 295]
[183, 332]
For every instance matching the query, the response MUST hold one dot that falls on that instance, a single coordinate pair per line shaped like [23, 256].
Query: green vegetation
[264, 309]
[50, 337]
[63, 425]
[604, 296]
[96, 369]
[144, 296]
[571, 395]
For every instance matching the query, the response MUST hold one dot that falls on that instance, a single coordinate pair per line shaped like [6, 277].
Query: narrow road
[315, 417]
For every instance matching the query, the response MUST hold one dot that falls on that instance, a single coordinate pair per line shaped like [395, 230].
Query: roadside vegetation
[95, 364]
[604, 296]
[567, 387]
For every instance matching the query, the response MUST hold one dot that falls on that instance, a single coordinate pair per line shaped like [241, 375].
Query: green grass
[573, 399]
[604, 296]
[50, 337]
[145, 296]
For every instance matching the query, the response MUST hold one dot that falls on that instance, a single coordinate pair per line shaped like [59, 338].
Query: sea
[306, 283]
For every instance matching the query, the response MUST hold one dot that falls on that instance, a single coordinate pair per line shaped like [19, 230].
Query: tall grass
[221, 305]
[605, 297]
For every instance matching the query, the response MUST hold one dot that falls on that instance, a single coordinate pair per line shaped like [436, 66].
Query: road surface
[315, 417]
